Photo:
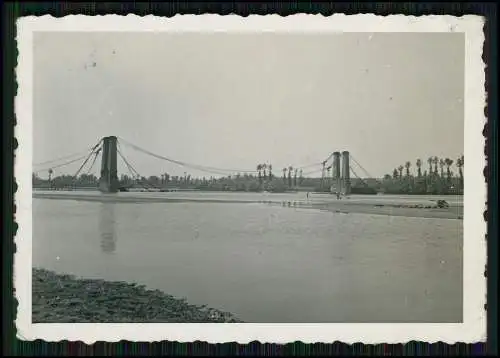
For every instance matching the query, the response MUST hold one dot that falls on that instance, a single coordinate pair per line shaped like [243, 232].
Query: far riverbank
[376, 205]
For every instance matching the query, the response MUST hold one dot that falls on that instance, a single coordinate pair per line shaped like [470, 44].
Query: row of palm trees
[291, 175]
[437, 175]
[433, 163]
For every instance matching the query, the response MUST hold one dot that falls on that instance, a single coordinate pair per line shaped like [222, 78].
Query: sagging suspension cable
[63, 164]
[94, 150]
[62, 158]
[133, 171]
[327, 159]
[313, 171]
[96, 154]
[365, 171]
[207, 169]
[357, 176]
[362, 168]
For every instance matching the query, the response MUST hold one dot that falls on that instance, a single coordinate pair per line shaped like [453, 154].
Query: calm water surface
[262, 263]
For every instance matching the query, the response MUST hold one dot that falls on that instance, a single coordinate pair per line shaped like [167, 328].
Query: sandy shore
[453, 212]
[64, 298]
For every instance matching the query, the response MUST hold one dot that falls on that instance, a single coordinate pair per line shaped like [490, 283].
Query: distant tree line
[291, 179]
[437, 178]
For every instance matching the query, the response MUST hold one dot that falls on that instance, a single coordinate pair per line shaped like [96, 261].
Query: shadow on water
[107, 230]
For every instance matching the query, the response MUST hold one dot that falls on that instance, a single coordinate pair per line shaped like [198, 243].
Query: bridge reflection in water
[107, 227]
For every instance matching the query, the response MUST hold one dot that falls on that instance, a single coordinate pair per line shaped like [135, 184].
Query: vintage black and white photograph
[236, 177]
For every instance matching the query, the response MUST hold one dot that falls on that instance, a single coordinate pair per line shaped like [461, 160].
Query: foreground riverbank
[65, 298]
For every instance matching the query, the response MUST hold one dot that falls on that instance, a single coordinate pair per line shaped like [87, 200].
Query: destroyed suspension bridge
[335, 171]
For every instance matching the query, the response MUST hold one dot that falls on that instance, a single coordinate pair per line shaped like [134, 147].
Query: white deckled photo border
[473, 327]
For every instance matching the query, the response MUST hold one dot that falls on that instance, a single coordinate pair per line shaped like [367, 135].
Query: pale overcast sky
[235, 100]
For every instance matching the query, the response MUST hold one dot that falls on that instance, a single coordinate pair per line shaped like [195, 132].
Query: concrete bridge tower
[108, 182]
[346, 169]
[336, 171]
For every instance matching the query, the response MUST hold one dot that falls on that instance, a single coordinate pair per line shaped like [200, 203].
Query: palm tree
[400, 170]
[290, 168]
[395, 173]
[430, 160]
[407, 166]
[295, 177]
[301, 176]
[449, 163]
[50, 176]
[435, 160]
[259, 168]
[441, 167]
[270, 172]
[460, 164]
[264, 167]
[419, 167]
[284, 175]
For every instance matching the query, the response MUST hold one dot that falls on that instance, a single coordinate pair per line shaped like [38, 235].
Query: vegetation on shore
[438, 179]
[64, 299]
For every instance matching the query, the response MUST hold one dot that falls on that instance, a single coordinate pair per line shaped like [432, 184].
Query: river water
[263, 263]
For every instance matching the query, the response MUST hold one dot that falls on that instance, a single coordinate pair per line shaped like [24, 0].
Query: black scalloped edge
[129, 348]
[245, 10]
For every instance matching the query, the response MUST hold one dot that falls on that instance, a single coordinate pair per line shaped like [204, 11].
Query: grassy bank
[64, 298]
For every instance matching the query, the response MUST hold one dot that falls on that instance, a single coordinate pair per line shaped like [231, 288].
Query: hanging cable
[96, 154]
[309, 165]
[128, 165]
[365, 171]
[130, 169]
[68, 157]
[361, 167]
[61, 158]
[356, 175]
[312, 172]
[212, 170]
[63, 164]
[134, 172]
[92, 149]
[207, 169]
[83, 165]
[327, 159]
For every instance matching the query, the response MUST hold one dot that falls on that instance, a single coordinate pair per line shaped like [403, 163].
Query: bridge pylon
[346, 170]
[108, 182]
[336, 172]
